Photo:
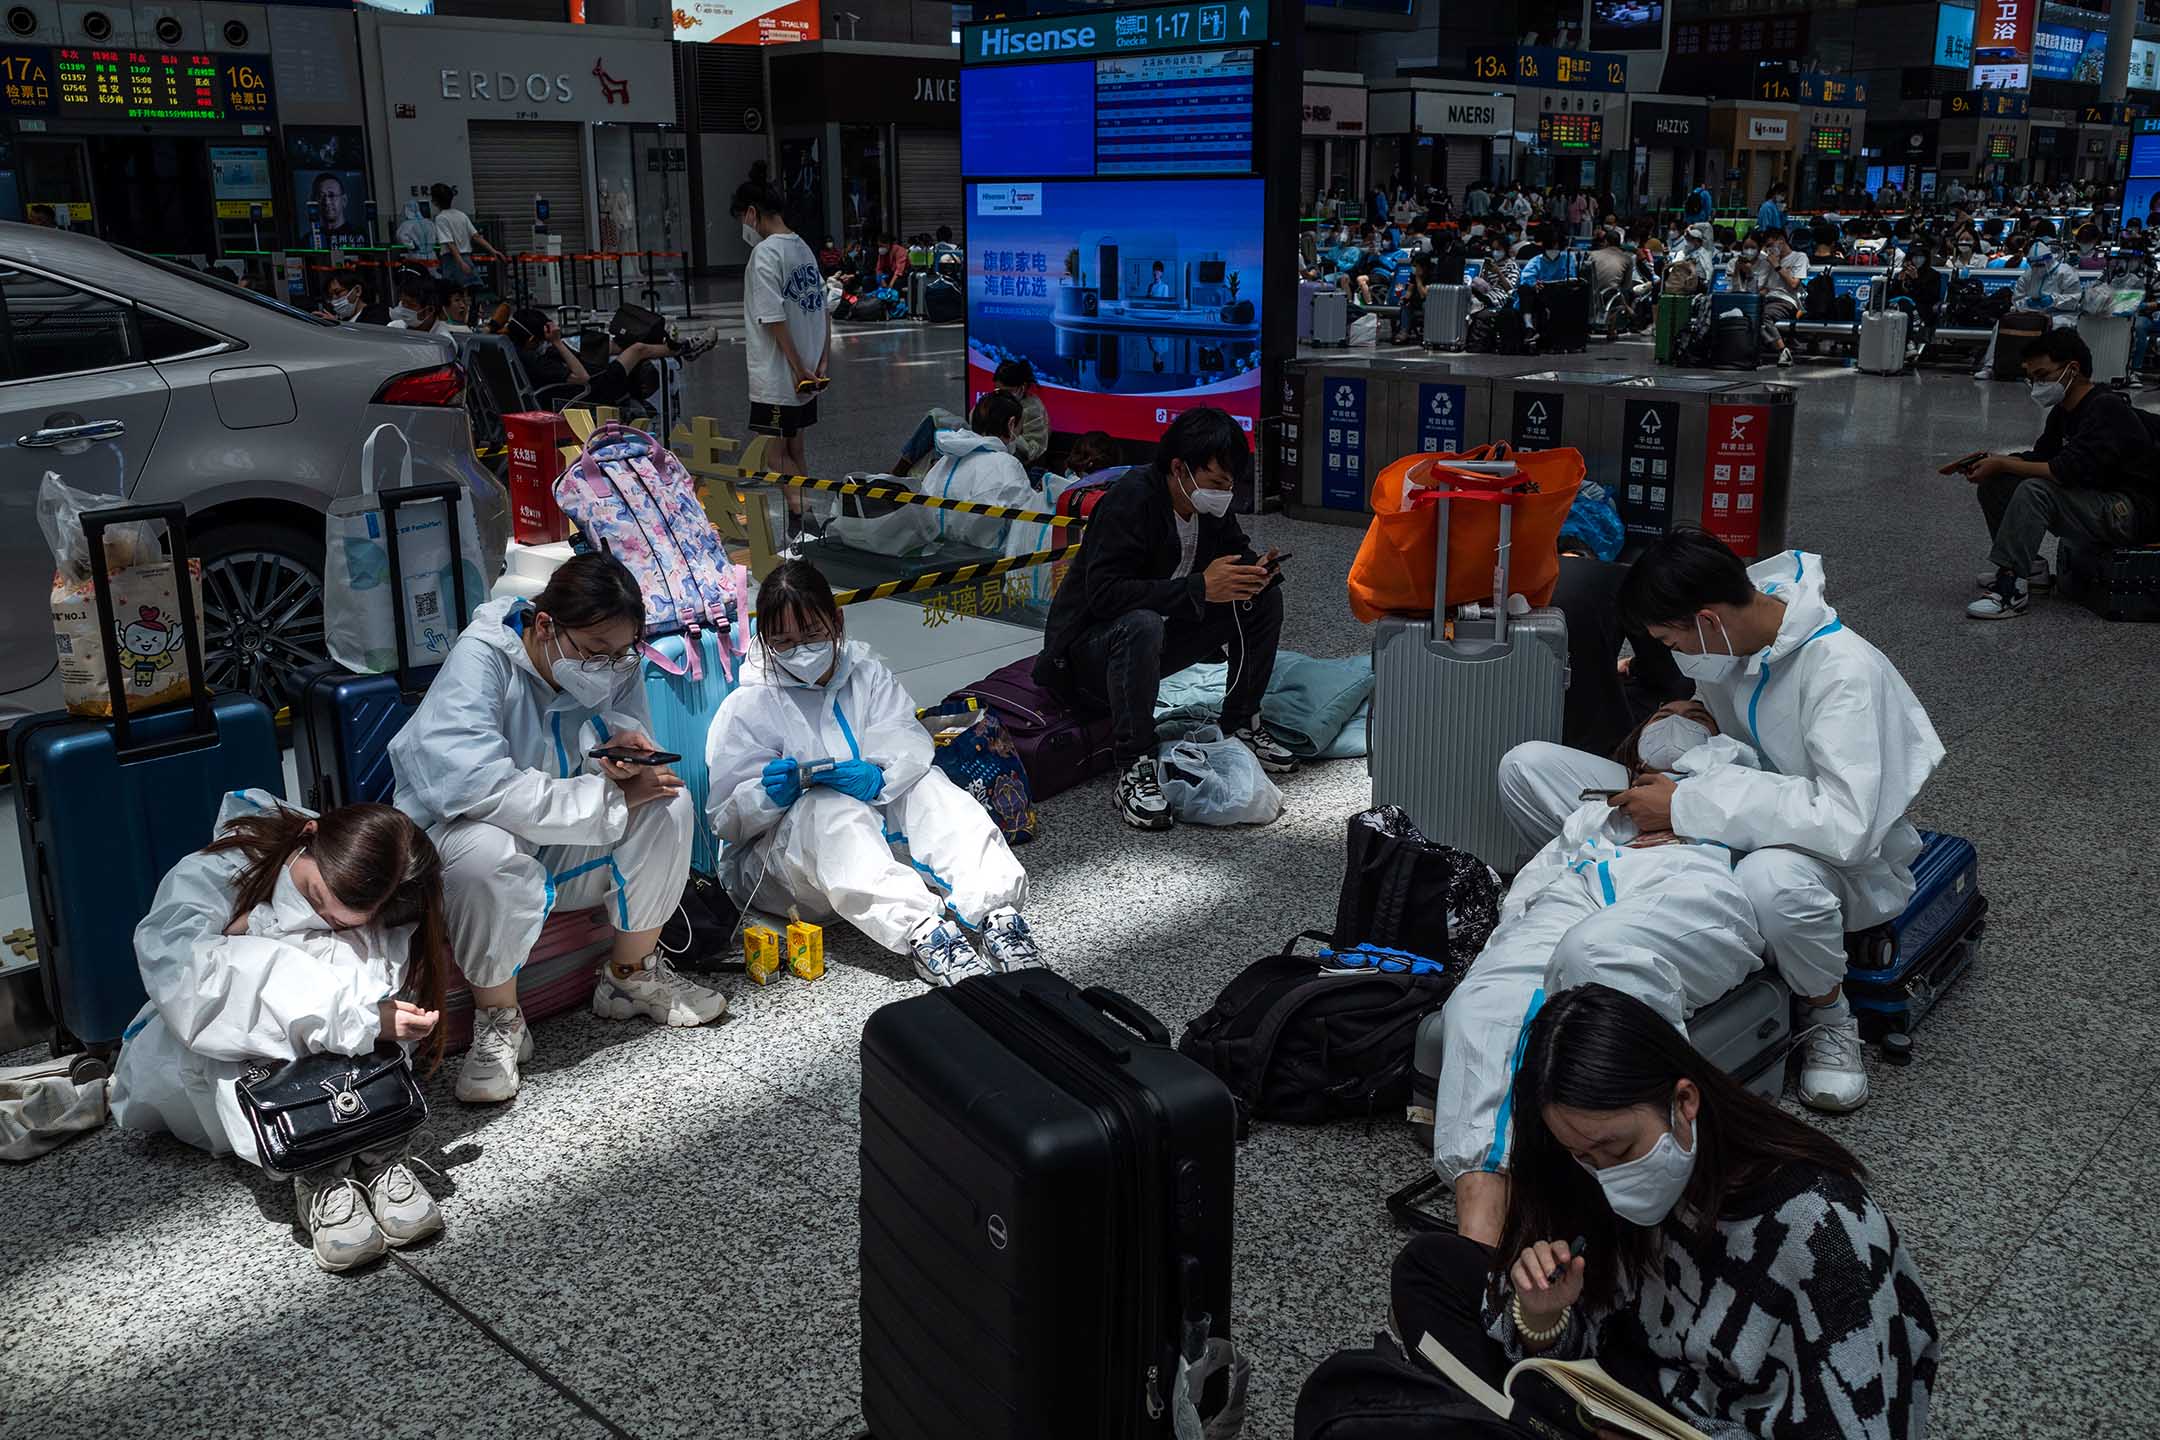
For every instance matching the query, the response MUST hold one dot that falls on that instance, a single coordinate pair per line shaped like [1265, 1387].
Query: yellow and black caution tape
[489, 452]
[958, 575]
[899, 494]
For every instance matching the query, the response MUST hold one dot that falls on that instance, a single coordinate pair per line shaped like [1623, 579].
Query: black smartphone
[1605, 795]
[633, 757]
[1274, 561]
[1964, 466]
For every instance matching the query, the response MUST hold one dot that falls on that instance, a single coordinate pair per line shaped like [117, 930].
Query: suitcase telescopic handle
[1507, 500]
[202, 730]
[392, 501]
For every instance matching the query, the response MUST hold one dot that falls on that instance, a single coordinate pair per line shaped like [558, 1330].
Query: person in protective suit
[290, 934]
[1844, 745]
[821, 774]
[498, 764]
[2051, 285]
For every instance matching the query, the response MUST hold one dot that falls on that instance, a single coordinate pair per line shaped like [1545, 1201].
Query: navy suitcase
[1046, 1213]
[106, 807]
[343, 723]
[1896, 972]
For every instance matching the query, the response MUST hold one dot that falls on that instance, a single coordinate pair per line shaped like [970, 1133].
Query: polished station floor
[658, 1237]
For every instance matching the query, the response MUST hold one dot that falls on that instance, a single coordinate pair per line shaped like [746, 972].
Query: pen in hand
[1582, 1243]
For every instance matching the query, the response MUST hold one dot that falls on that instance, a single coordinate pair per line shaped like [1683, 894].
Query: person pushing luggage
[289, 935]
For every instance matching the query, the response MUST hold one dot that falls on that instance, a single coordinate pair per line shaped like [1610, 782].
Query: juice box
[806, 950]
[761, 952]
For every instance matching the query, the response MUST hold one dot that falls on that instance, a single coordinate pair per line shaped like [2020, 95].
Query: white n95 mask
[287, 911]
[750, 235]
[1644, 1191]
[1664, 740]
[805, 664]
[590, 688]
[1707, 666]
[1211, 502]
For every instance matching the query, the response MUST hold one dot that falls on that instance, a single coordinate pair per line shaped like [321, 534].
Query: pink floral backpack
[630, 496]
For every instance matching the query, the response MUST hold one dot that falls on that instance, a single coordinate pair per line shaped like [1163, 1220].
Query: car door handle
[83, 433]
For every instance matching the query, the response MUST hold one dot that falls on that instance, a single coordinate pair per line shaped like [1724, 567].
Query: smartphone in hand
[633, 757]
[1605, 795]
[1965, 465]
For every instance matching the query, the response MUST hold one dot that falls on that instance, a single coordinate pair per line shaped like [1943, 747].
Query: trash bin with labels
[1700, 451]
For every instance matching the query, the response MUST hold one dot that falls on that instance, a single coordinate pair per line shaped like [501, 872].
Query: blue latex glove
[858, 778]
[783, 782]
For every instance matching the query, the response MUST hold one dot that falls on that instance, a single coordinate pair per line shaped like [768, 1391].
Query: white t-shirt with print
[454, 227]
[784, 283]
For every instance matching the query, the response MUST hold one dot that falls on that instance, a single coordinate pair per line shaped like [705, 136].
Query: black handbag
[321, 1109]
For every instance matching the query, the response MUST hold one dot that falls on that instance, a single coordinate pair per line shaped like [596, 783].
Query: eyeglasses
[587, 660]
[789, 642]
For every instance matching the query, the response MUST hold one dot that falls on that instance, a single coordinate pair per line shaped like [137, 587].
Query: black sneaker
[1140, 798]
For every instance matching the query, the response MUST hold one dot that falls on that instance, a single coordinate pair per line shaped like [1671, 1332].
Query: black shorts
[782, 420]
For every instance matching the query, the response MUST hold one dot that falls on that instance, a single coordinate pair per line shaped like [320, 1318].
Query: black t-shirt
[545, 366]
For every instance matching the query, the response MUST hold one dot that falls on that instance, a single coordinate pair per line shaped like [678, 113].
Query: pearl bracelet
[1536, 1337]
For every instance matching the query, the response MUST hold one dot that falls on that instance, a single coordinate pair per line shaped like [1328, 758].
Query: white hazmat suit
[290, 986]
[2049, 286]
[829, 854]
[1844, 747]
[969, 467]
[493, 765]
[1668, 924]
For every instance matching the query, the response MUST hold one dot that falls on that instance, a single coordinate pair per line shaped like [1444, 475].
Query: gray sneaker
[1266, 749]
[501, 1041]
[942, 954]
[334, 1209]
[658, 991]
[1008, 943]
[404, 1211]
[1833, 1076]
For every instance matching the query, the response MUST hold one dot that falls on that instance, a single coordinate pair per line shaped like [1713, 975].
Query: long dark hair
[592, 589]
[375, 860]
[1594, 1048]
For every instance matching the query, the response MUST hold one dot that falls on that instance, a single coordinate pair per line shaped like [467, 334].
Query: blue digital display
[1175, 114]
[1028, 120]
[2144, 157]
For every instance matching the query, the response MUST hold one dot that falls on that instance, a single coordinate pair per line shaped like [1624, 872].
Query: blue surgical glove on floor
[858, 778]
[783, 782]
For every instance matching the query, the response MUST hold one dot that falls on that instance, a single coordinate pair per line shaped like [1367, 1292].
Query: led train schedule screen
[128, 84]
[1175, 114]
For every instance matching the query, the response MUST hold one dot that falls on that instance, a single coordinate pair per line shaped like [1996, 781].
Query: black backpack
[1298, 1039]
[1821, 295]
[1382, 1394]
[1397, 885]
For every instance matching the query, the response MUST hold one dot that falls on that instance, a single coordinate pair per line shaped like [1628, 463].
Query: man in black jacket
[1165, 579]
[2093, 477]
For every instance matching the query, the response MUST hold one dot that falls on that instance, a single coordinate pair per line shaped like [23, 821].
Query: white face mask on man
[2047, 394]
[404, 314]
[1207, 502]
[751, 235]
[1704, 665]
[1643, 1191]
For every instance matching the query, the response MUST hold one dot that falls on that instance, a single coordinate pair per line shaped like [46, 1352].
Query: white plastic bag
[145, 606]
[358, 620]
[1210, 780]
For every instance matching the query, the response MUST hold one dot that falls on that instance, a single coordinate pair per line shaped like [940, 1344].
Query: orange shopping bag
[1395, 566]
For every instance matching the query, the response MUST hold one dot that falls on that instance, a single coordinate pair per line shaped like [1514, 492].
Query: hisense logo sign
[1038, 42]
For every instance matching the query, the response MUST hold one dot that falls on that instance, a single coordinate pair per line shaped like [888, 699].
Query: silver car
[133, 375]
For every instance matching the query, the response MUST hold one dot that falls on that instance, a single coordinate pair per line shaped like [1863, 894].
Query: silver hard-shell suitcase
[1882, 341]
[1445, 711]
[1447, 316]
[1331, 318]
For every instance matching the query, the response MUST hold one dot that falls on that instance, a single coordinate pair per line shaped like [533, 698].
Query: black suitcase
[105, 807]
[2115, 584]
[1047, 1193]
[1563, 317]
[343, 722]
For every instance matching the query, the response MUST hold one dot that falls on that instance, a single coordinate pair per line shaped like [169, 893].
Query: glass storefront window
[863, 210]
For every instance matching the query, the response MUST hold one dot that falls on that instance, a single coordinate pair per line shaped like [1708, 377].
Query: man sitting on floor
[1167, 579]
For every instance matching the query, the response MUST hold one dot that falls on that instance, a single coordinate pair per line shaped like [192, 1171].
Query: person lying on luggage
[1845, 747]
[1733, 1266]
[291, 934]
[820, 773]
[499, 765]
[1606, 901]
[2092, 477]
[977, 464]
[1165, 578]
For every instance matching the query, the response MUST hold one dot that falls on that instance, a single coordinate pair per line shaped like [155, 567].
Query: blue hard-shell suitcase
[1896, 972]
[106, 807]
[682, 714]
[343, 723]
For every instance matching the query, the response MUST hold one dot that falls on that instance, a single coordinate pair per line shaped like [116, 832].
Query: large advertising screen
[1953, 37]
[1149, 114]
[1036, 120]
[1130, 308]
[2057, 49]
[1627, 25]
[745, 22]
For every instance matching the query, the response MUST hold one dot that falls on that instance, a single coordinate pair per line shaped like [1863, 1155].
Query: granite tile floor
[657, 1238]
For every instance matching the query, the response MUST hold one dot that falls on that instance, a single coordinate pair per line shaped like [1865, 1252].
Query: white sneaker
[657, 991]
[501, 1041]
[1266, 749]
[333, 1206]
[1140, 798]
[404, 1211]
[1833, 1077]
[2040, 578]
[1784, 359]
[943, 955]
[2005, 601]
[1008, 944]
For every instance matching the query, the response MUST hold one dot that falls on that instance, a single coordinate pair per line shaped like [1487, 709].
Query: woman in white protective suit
[977, 464]
[1661, 918]
[505, 763]
[290, 934]
[821, 772]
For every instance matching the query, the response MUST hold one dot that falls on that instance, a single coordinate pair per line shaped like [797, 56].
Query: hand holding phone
[1604, 795]
[1964, 465]
[1273, 560]
[633, 757]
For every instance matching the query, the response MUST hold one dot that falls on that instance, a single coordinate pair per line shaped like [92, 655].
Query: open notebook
[1562, 1399]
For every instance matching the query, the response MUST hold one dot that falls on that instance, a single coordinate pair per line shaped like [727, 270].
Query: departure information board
[1174, 114]
[1571, 132]
[124, 83]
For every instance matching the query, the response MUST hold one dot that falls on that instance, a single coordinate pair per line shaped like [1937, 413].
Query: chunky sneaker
[2006, 599]
[943, 955]
[2041, 577]
[1008, 944]
[501, 1041]
[404, 1211]
[1832, 1077]
[1140, 798]
[1266, 749]
[658, 991]
[333, 1206]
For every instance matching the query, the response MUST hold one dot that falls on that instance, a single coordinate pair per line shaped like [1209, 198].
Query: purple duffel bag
[1058, 748]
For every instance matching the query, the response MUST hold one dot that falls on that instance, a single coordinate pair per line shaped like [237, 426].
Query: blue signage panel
[1342, 445]
[1089, 35]
[1953, 37]
[1440, 419]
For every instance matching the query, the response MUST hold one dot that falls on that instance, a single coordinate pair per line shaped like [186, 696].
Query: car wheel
[262, 589]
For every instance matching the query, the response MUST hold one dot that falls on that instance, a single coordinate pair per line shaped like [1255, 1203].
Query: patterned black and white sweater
[1800, 1318]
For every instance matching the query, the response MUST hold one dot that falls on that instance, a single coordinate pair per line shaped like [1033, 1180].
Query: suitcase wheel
[87, 1067]
[1896, 1047]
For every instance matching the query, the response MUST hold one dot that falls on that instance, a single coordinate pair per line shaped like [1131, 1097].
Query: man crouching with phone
[1165, 578]
[2093, 476]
